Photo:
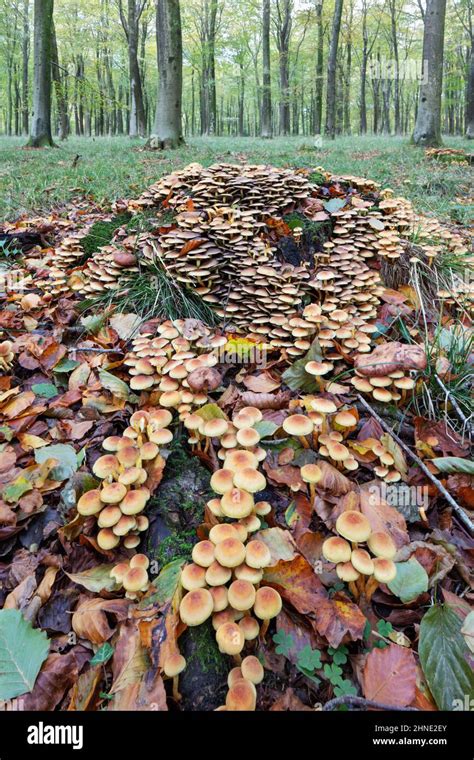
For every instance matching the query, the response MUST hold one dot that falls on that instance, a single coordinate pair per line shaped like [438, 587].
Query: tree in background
[131, 27]
[266, 117]
[428, 120]
[40, 130]
[167, 132]
[283, 23]
[331, 75]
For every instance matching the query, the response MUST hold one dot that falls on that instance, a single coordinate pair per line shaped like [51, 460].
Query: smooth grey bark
[131, 27]
[470, 97]
[25, 56]
[40, 130]
[332, 70]
[396, 58]
[167, 132]
[284, 10]
[266, 118]
[208, 32]
[428, 121]
[318, 90]
[58, 86]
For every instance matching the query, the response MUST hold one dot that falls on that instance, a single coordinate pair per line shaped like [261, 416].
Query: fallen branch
[363, 704]
[463, 518]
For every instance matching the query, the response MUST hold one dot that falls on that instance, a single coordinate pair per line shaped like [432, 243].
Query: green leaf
[113, 384]
[333, 673]
[165, 584]
[15, 490]
[284, 642]
[95, 579]
[454, 464]
[335, 204]
[92, 323]
[7, 432]
[103, 654]
[66, 365]
[296, 376]
[410, 581]
[384, 627]
[444, 658]
[309, 659]
[467, 630]
[23, 649]
[265, 428]
[339, 655]
[345, 688]
[211, 412]
[64, 454]
[45, 390]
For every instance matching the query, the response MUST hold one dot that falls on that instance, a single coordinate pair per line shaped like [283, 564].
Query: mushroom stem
[238, 660]
[303, 441]
[312, 492]
[264, 628]
[353, 589]
[360, 583]
[176, 694]
[370, 587]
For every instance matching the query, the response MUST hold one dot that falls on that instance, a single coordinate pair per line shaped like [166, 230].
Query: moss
[176, 546]
[205, 652]
[143, 222]
[203, 684]
[101, 233]
[316, 178]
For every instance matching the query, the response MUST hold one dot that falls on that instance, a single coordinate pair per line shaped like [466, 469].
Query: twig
[79, 349]
[455, 404]
[363, 704]
[463, 518]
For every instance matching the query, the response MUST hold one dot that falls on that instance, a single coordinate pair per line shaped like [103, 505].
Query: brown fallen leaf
[261, 383]
[390, 675]
[90, 621]
[382, 516]
[55, 678]
[297, 583]
[338, 619]
[391, 357]
[289, 702]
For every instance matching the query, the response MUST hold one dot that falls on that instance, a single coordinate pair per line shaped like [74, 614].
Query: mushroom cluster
[223, 580]
[392, 387]
[323, 430]
[242, 680]
[108, 269]
[7, 355]
[177, 362]
[132, 575]
[119, 502]
[355, 565]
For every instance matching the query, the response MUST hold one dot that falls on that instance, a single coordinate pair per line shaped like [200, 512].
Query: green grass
[38, 180]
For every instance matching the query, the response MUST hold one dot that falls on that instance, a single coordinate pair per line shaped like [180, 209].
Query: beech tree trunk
[331, 75]
[470, 97]
[25, 83]
[318, 92]
[284, 23]
[58, 87]
[266, 125]
[40, 131]
[428, 121]
[131, 27]
[167, 132]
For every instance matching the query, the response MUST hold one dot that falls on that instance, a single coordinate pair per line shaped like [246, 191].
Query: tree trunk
[208, 57]
[266, 126]
[318, 92]
[25, 84]
[131, 27]
[428, 122]
[331, 75]
[58, 86]
[40, 132]
[284, 24]
[470, 97]
[167, 132]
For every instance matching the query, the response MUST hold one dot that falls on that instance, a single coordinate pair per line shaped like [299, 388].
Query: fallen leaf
[389, 676]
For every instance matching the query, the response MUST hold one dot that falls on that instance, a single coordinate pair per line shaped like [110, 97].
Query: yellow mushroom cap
[241, 595]
[384, 570]
[124, 526]
[136, 579]
[107, 539]
[118, 571]
[230, 638]
[382, 545]
[109, 516]
[237, 503]
[135, 501]
[298, 424]
[336, 549]
[220, 597]
[362, 562]
[106, 465]
[128, 456]
[241, 696]
[140, 560]
[217, 575]
[250, 480]
[263, 508]
[253, 412]
[220, 532]
[222, 481]
[257, 554]
[238, 459]
[311, 473]
[215, 428]
[250, 627]
[89, 503]
[230, 552]
[252, 669]
[112, 493]
[203, 553]
[247, 437]
[196, 606]
[193, 577]
[234, 675]
[246, 573]
[174, 665]
[223, 616]
[353, 525]
[268, 603]
[347, 572]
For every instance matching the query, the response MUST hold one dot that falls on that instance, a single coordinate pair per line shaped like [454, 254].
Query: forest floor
[106, 169]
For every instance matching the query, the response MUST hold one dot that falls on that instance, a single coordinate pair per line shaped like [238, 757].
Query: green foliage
[101, 233]
[103, 654]
[284, 642]
[411, 580]
[23, 649]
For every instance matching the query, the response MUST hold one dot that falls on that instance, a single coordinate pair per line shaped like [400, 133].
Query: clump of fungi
[354, 564]
[7, 355]
[223, 580]
[132, 575]
[119, 502]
